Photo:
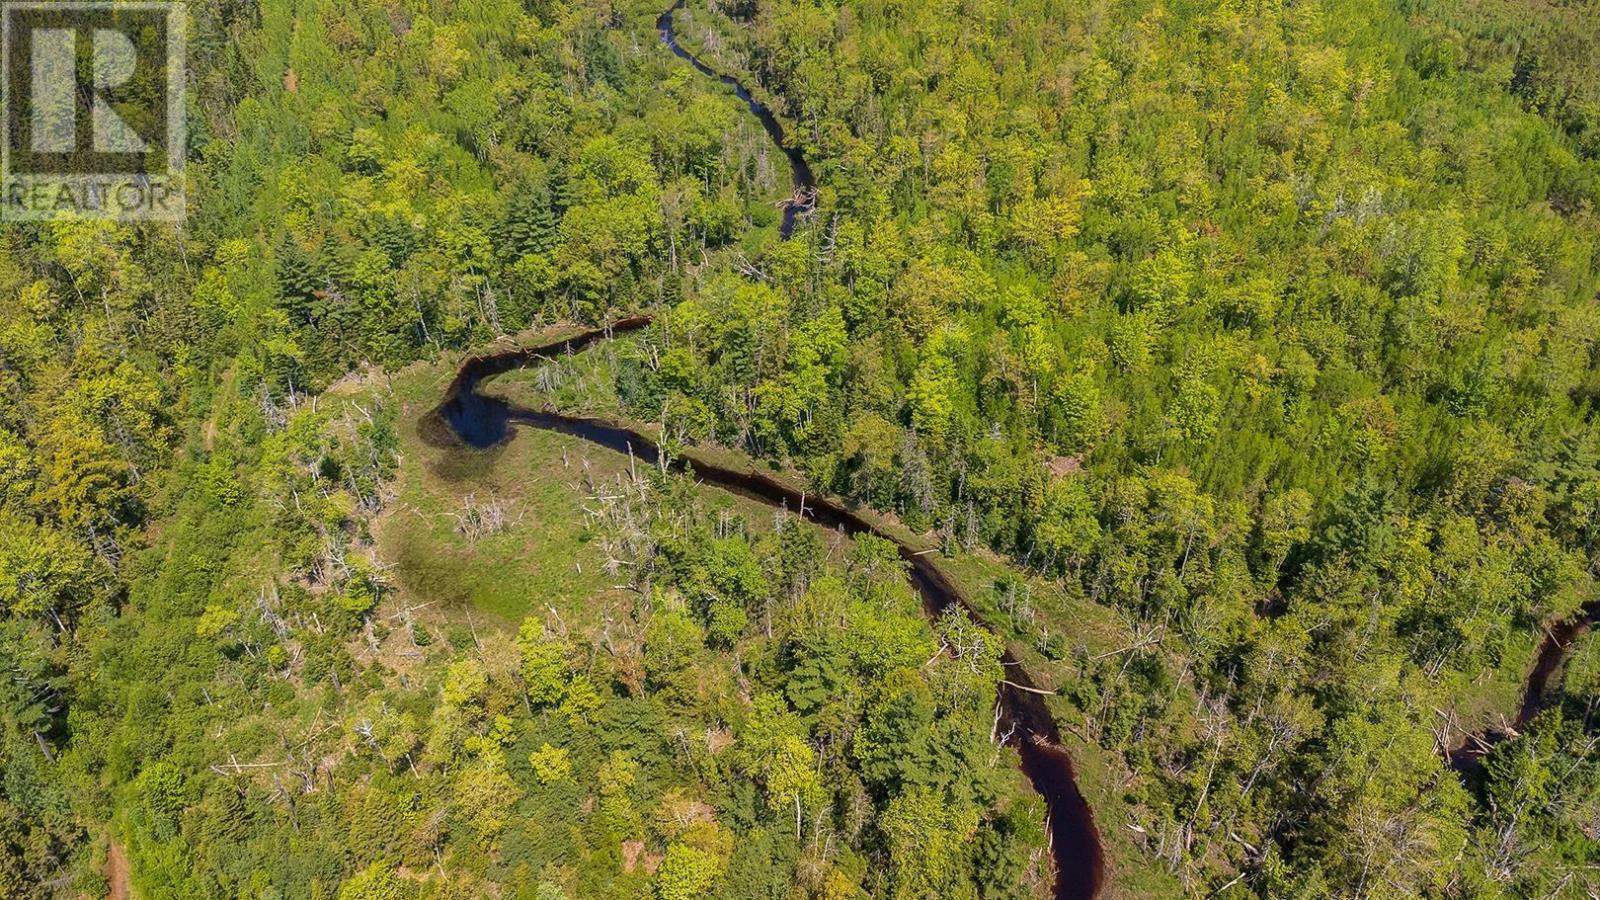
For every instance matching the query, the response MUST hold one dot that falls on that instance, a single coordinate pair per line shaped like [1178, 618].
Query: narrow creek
[805, 183]
[1554, 651]
[471, 421]
[477, 421]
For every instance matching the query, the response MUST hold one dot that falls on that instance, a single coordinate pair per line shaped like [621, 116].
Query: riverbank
[480, 421]
[1030, 612]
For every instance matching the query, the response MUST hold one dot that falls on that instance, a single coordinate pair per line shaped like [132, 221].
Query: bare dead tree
[481, 519]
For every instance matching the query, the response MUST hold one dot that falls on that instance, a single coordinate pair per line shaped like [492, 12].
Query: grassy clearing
[548, 559]
[543, 558]
[587, 383]
[1491, 697]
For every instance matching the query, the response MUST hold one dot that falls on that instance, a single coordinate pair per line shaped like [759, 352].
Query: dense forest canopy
[1261, 337]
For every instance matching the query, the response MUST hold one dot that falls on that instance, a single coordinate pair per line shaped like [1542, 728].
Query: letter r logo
[115, 59]
[93, 97]
[55, 91]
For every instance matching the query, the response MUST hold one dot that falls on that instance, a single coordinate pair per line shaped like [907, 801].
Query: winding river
[476, 420]
[805, 183]
[468, 417]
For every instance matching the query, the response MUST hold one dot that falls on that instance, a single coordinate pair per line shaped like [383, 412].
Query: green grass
[1130, 873]
[1584, 666]
[545, 559]
[549, 558]
[538, 562]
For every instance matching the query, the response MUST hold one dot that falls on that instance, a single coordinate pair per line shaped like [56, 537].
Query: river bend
[472, 420]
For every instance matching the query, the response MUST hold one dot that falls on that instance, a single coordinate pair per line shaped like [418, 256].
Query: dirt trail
[117, 873]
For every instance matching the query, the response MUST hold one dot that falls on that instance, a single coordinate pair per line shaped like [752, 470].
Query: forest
[1237, 362]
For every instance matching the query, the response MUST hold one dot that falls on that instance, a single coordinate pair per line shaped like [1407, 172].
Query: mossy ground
[550, 559]
[546, 557]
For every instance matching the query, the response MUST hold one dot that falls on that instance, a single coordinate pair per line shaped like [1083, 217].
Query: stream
[804, 200]
[481, 421]
[467, 420]
[1554, 651]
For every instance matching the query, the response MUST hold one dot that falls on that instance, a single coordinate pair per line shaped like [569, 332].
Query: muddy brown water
[1554, 651]
[469, 421]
